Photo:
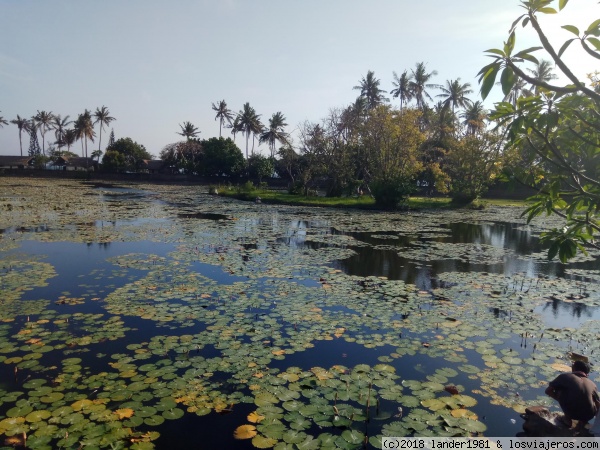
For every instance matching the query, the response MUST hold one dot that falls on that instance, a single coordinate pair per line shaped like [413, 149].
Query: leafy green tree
[260, 167]
[103, 117]
[393, 140]
[557, 129]
[224, 114]
[370, 90]
[473, 163]
[23, 125]
[188, 130]
[221, 157]
[275, 133]
[125, 154]
[402, 88]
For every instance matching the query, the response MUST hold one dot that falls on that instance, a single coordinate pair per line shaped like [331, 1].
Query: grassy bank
[363, 202]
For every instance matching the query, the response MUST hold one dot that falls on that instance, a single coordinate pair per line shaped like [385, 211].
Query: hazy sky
[156, 64]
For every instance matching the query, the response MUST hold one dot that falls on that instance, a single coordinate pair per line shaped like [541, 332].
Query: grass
[363, 202]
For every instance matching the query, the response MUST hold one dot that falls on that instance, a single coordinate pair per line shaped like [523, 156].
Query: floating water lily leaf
[124, 413]
[260, 441]
[245, 432]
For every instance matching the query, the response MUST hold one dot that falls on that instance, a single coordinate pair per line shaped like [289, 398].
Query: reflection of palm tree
[402, 88]
[23, 125]
[370, 91]
[474, 115]
[188, 130]
[275, 132]
[420, 83]
[248, 122]
[60, 127]
[103, 117]
[455, 94]
[43, 121]
[223, 114]
[84, 129]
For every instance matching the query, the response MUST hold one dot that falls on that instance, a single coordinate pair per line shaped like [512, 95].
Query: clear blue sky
[156, 64]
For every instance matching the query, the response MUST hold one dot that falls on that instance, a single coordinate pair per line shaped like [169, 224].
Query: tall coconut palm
[235, 126]
[519, 89]
[420, 83]
[249, 123]
[474, 117]
[43, 121]
[370, 91]
[542, 72]
[223, 114]
[22, 124]
[84, 129]
[60, 127]
[102, 116]
[455, 94]
[69, 138]
[402, 88]
[3, 121]
[188, 130]
[274, 132]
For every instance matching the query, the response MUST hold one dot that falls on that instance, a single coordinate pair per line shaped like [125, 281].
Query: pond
[155, 316]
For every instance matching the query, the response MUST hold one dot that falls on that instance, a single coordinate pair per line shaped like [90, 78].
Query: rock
[540, 422]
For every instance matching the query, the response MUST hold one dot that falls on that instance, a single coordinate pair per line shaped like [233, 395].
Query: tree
[43, 120]
[3, 121]
[221, 157]
[34, 145]
[125, 154]
[543, 72]
[474, 117]
[393, 140]
[275, 132]
[402, 88]
[223, 114]
[69, 138]
[248, 122]
[60, 127]
[23, 125]
[260, 167]
[370, 91]
[102, 116]
[84, 130]
[420, 83]
[455, 94]
[188, 130]
[111, 138]
[473, 164]
[559, 126]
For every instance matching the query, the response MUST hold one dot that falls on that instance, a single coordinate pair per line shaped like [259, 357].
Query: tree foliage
[125, 154]
[556, 128]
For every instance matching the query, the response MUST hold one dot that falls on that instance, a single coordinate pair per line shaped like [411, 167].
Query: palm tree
[455, 94]
[370, 91]
[188, 130]
[519, 89]
[275, 132]
[420, 82]
[402, 88]
[103, 117]
[69, 138]
[60, 127]
[3, 121]
[43, 120]
[542, 72]
[23, 125]
[248, 122]
[223, 114]
[475, 116]
[84, 129]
